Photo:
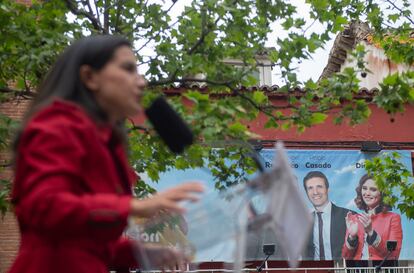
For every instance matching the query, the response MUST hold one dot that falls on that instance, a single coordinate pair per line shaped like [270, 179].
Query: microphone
[268, 250]
[391, 246]
[169, 125]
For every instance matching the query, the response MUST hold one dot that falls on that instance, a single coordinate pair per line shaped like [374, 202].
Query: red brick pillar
[9, 241]
[9, 231]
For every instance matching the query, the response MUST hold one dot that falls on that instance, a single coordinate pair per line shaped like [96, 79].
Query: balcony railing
[408, 269]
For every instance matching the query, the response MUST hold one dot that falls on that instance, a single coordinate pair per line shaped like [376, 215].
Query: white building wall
[379, 65]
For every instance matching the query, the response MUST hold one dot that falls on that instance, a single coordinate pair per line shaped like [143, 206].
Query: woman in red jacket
[367, 233]
[72, 188]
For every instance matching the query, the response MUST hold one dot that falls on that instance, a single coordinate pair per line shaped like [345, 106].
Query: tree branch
[5, 165]
[88, 4]
[140, 128]
[277, 107]
[205, 30]
[72, 6]
[258, 107]
[137, 14]
[265, 109]
[227, 84]
[187, 80]
[98, 16]
[306, 29]
[118, 15]
[198, 43]
[16, 92]
[159, 31]
[106, 17]
[400, 10]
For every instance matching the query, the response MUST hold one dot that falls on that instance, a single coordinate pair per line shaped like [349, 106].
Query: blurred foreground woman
[72, 188]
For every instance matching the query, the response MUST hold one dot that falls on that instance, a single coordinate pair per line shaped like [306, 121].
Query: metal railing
[382, 270]
[299, 270]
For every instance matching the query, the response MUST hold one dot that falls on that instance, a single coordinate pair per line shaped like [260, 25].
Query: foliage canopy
[178, 46]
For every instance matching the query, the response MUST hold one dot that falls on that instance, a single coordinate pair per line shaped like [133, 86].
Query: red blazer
[71, 201]
[388, 227]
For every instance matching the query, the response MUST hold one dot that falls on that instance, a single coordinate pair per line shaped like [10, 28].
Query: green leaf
[310, 84]
[196, 96]
[394, 17]
[181, 163]
[259, 97]
[237, 128]
[391, 79]
[271, 123]
[411, 93]
[20, 84]
[339, 22]
[318, 118]
[286, 126]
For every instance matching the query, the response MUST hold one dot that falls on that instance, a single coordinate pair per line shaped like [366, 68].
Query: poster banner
[352, 223]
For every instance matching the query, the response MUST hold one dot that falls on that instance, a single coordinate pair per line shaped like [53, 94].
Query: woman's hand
[167, 200]
[366, 222]
[351, 226]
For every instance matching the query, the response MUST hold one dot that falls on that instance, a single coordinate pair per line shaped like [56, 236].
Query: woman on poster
[368, 232]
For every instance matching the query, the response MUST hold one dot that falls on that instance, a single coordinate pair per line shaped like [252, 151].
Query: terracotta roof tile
[344, 42]
[273, 90]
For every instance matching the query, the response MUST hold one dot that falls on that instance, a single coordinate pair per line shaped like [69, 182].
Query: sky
[307, 69]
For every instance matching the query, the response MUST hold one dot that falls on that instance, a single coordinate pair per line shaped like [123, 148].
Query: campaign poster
[343, 171]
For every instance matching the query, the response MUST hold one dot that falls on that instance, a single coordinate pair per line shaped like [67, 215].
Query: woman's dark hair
[359, 202]
[63, 80]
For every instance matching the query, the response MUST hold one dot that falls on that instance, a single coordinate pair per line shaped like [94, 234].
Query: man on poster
[328, 233]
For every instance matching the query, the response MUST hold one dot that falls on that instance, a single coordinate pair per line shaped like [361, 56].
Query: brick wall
[25, 2]
[9, 241]
[9, 231]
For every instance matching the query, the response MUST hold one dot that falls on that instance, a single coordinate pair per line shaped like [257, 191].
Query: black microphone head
[169, 125]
